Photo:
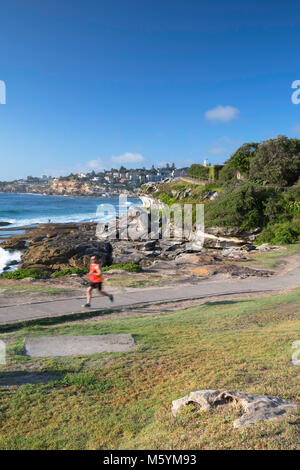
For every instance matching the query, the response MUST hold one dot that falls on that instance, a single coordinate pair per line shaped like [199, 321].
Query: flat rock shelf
[78, 345]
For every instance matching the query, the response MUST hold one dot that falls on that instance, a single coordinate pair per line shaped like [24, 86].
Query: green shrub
[199, 171]
[132, 267]
[81, 379]
[294, 207]
[293, 192]
[86, 381]
[280, 234]
[239, 161]
[166, 198]
[135, 268]
[22, 273]
[69, 271]
[277, 161]
[242, 206]
[214, 171]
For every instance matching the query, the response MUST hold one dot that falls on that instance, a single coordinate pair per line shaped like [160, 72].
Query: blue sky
[96, 84]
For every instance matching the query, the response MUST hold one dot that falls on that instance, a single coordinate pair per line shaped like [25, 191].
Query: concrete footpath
[210, 288]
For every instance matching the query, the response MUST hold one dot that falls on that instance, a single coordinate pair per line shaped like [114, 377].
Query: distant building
[179, 172]
[153, 177]
[108, 178]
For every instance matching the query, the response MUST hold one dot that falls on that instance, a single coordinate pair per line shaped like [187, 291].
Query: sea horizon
[26, 209]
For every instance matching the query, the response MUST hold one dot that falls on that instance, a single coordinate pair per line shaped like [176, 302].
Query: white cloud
[96, 164]
[128, 157]
[222, 114]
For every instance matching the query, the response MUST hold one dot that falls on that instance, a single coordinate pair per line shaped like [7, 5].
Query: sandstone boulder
[14, 244]
[256, 407]
[63, 251]
[197, 259]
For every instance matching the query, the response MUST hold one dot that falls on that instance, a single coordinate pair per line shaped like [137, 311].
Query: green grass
[131, 267]
[69, 271]
[32, 290]
[123, 401]
[133, 282]
[23, 273]
[197, 192]
[18, 289]
[272, 259]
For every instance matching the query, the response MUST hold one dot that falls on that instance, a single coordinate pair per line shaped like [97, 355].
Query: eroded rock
[63, 250]
[256, 407]
[13, 243]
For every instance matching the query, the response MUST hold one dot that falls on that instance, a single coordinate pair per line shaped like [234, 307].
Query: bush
[214, 171]
[277, 161]
[280, 234]
[244, 206]
[69, 271]
[199, 171]
[81, 379]
[135, 268]
[132, 267]
[86, 381]
[274, 161]
[227, 173]
[239, 161]
[294, 207]
[22, 273]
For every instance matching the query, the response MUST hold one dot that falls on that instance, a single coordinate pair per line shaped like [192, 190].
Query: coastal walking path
[204, 289]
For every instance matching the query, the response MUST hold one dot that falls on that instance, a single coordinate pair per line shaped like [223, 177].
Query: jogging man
[96, 280]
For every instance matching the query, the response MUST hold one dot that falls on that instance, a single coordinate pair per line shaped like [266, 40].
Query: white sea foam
[60, 219]
[7, 256]
[63, 219]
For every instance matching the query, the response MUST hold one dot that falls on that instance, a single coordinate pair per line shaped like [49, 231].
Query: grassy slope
[197, 191]
[121, 401]
[272, 259]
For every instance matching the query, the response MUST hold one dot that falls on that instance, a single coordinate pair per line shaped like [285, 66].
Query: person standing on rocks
[96, 281]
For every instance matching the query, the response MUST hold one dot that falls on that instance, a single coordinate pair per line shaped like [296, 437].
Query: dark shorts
[96, 285]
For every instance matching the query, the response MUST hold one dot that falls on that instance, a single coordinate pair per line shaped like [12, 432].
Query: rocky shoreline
[72, 193]
[53, 247]
[64, 187]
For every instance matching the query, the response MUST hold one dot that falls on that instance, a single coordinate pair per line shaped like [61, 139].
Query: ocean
[31, 209]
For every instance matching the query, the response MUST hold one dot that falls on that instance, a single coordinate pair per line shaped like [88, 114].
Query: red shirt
[95, 277]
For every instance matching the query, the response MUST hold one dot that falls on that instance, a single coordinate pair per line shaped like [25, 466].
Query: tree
[277, 161]
[239, 161]
[246, 206]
